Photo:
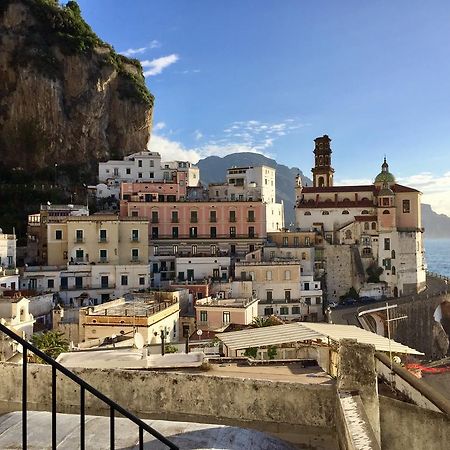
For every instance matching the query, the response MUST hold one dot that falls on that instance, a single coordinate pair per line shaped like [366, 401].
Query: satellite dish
[397, 359]
[20, 348]
[199, 332]
[138, 341]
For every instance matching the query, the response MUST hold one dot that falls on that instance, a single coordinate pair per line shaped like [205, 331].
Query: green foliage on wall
[251, 352]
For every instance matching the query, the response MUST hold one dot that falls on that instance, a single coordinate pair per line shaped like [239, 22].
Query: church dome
[385, 176]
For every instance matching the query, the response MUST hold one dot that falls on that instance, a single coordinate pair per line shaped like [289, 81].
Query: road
[347, 315]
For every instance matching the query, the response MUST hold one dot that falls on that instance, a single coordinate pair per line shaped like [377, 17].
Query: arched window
[364, 211]
[346, 199]
[393, 270]
[307, 213]
[348, 234]
[345, 212]
[393, 254]
[374, 225]
[321, 181]
[325, 213]
[366, 225]
[386, 211]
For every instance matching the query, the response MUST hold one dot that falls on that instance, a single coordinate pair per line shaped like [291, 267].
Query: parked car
[333, 305]
[349, 301]
[366, 299]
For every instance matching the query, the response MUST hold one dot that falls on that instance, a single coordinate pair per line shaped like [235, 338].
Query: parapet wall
[406, 426]
[300, 413]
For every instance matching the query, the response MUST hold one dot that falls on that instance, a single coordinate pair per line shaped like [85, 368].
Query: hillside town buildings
[225, 246]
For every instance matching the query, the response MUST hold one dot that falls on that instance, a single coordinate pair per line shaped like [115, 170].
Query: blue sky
[271, 75]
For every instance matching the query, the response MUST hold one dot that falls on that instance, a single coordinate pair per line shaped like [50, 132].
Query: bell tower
[322, 171]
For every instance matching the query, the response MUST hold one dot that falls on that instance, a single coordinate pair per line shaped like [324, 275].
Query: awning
[306, 331]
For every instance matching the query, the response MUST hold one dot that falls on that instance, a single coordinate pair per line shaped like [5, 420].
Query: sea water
[437, 254]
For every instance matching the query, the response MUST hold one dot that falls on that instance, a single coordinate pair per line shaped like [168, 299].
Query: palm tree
[52, 343]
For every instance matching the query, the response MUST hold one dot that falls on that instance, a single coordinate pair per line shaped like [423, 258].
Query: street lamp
[163, 334]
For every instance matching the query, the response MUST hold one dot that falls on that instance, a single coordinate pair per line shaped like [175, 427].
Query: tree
[52, 343]
[251, 352]
[374, 272]
[271, 352]
[259, 322]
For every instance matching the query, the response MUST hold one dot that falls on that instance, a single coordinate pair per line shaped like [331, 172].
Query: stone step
[188, 436]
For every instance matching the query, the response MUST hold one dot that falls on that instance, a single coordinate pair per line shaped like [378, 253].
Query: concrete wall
[406, 426]
[297, 412]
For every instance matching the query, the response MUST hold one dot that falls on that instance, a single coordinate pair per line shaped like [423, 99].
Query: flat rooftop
[132, 308]
[290, 372]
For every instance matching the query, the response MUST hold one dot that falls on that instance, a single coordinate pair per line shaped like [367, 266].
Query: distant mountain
[436, 225]
[213, 169]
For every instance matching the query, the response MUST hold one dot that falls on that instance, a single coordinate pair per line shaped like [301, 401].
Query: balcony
[213, 219]
[250, 219]
[135, 260]
[232, 219]
[103, 260]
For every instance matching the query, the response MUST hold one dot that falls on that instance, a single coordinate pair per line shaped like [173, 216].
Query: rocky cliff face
[65, 96]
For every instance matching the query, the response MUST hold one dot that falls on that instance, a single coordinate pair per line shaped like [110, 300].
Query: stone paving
[188, 436]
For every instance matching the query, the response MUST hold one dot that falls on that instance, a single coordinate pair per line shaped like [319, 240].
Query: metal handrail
[84, 386]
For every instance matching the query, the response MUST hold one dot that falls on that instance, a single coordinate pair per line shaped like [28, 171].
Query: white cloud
[133, 51]
[157, 65]
[172, 150]
[246, 136]
[140, 50]
[154, 44]
[159, 126]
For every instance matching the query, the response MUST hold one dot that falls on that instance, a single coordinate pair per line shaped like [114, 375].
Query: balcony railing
[57, 367]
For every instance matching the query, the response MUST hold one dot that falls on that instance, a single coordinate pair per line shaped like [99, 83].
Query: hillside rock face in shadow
[65, 96]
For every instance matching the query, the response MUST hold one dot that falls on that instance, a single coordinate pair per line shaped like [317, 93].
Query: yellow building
[149, 315]
[99, 239]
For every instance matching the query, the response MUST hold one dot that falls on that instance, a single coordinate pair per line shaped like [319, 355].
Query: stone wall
[406, 426]
[339, 270]
[297, 412]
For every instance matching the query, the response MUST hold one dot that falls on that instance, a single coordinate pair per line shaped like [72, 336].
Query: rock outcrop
[66, 97]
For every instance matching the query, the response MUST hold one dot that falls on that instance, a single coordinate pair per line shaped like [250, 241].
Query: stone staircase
[188, 436]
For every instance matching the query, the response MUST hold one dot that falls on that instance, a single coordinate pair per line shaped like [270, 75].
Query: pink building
[218, 314]
[160, 191]
[202, 220]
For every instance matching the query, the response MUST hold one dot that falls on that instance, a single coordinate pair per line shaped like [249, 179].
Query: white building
[82, 284]
[145, 166]
[14, 313]
[251, 184]
[7, 250]
[192, 268]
